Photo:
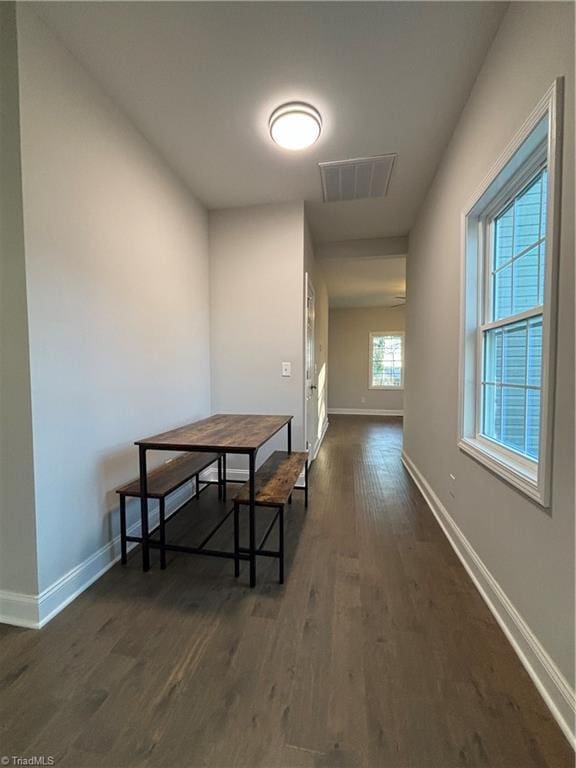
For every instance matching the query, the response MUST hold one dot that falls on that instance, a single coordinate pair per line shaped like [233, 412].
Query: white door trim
[313, 446]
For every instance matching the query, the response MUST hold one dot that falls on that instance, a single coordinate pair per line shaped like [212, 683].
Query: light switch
[286, 369]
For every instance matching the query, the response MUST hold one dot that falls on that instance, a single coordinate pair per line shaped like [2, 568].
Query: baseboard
[19, 609]
[34, 611]
[364, 412]
[550, 682]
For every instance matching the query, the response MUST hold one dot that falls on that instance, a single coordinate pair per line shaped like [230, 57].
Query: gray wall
[529, 550]
[18, 570]
[256, 305]
[117, 274]
[349, 358]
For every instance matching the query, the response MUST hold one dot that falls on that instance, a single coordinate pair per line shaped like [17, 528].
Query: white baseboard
[550, 682]
[34, 611]
[364, 412]
[19, 609]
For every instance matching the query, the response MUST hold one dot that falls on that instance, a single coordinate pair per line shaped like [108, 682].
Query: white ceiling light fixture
[295, 125]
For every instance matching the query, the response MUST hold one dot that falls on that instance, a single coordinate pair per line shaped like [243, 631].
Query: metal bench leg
[224, 477]
[123, 551]
[236, 539]
[220, 477]
[162, 535]
[197, 487]
[306, 484]
[252, 517]
[281, 544]
[144, 509]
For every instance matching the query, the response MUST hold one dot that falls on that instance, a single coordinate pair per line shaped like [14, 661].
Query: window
[386, 361]
[512, 338]
[510, 253]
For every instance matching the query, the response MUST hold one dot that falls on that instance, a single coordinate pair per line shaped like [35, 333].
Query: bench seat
[274, 482]
[275, 479]
[170, 476]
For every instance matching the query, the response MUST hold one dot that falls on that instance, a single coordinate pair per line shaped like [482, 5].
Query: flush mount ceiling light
[295, 125]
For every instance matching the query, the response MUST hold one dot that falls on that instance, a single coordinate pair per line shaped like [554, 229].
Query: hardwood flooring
[377, 653]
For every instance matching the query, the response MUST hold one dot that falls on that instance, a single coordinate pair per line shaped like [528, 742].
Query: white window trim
[530, 477]
[385, 333]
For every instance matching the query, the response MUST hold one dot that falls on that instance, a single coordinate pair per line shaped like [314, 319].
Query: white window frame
[517, 164]
[385, 333]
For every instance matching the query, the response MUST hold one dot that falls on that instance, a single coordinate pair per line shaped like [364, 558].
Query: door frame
[309, 286]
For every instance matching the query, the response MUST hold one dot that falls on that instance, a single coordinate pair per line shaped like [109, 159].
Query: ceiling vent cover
[356, 179]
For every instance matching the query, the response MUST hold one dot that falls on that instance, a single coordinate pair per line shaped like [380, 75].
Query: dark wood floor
[378, 652]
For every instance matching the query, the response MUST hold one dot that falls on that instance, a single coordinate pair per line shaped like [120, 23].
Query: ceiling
[365, 282]
[201, 79]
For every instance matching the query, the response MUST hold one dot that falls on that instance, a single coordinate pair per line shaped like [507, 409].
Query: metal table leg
[236, 539]
[162, 512]
[123, 548]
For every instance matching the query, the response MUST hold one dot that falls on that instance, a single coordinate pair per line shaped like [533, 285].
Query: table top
[236, 433]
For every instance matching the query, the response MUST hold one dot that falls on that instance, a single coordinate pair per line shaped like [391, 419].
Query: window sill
[391, 389]
[516, 473]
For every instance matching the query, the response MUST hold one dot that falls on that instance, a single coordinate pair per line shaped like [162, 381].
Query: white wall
[18, 568]
[349, 353]
[117, 273]
[318, 403]
[528, 550]
[256, 303]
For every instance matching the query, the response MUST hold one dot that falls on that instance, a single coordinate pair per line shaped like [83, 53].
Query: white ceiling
[365, 282]
[200, 80]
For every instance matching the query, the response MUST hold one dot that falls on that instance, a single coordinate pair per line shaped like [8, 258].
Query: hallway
[378, 652]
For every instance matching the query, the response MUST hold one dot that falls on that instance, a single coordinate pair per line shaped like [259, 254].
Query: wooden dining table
[224, 434]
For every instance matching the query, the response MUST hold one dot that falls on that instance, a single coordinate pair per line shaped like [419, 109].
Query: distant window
[511, 236]
[386, 361]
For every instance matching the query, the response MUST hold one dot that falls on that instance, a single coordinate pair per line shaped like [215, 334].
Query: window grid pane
[517, 276]
[504, 231]
[387, 356]
[525, 280]
[527, 214]
[511, 385]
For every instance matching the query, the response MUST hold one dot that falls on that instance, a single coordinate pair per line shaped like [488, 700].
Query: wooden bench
[274, 483]
[163, 481]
